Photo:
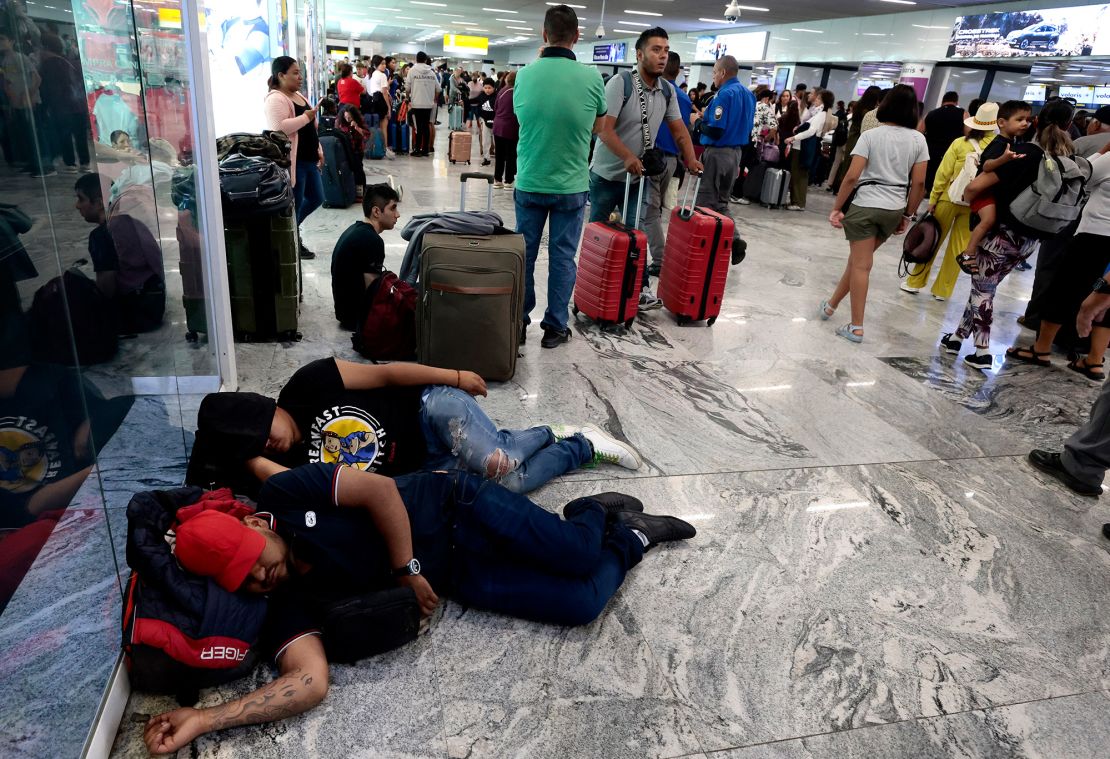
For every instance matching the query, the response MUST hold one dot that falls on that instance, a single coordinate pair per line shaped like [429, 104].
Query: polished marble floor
[877, 571]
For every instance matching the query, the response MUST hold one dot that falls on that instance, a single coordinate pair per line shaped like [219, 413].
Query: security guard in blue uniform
[724, 128]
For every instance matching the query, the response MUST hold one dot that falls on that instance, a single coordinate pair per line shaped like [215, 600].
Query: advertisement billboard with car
[1060, 32]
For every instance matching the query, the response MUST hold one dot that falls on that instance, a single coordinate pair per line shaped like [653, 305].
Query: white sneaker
[743, 201]
[609, 450]
[907, 289]
[793, 207]
[390, 154]
[564, 431]
[508, 185]
[499, 185]
[941, 298]
[649, 302]
[69, 169]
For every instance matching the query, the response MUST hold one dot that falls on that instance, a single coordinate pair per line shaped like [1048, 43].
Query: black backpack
[91, 326]
[252, 186]
[181, 632]
[840, 136]
[270, 144]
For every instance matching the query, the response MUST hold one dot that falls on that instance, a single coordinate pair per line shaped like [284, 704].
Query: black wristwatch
[409, 570]
[1100, 286]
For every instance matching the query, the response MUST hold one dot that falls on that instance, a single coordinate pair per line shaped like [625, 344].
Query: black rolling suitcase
[340, 189]
[751, 186]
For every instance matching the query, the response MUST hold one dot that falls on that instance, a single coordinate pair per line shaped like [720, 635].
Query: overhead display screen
[610, 53]
[1036, 93]
[747, 46]
[1081, 95]
[462, 43]
[1077, 31]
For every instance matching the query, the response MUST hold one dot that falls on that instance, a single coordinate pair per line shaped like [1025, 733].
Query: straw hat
[985, 119]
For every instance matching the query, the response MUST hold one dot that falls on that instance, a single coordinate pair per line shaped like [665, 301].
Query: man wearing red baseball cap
[325, 530]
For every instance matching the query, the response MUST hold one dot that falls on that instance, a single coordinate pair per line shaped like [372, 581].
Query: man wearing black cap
[328, 529]
[391, 419]
[1098, 134]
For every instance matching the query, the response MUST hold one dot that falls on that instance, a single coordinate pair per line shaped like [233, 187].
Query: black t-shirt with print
[39, 426]
[373, 430]
[484, 105]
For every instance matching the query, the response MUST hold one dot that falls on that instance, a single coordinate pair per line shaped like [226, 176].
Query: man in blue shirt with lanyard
[653, 211]
[725, 128]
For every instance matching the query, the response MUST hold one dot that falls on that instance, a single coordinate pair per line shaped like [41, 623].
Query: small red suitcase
[610, 268]
[695, 262]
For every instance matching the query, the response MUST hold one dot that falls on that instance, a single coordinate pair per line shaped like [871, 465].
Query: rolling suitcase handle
[687, 212]
[462, 188]
[630, 283]
[627, 189]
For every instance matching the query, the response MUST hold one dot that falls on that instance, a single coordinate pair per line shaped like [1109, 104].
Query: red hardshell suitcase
[610, 268]
[695, 262]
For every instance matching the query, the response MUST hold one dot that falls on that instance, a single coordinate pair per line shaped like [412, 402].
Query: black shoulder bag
[653, 159]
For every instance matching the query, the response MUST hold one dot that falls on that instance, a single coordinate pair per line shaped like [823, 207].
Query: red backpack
[389, 329]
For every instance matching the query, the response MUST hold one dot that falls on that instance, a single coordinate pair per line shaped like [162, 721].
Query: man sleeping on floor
[327, 529]
[390, 419]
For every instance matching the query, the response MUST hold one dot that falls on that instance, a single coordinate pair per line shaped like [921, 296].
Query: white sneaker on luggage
[609, 450]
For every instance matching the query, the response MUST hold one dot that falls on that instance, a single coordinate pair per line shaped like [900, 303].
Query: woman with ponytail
[288, 111]
[1010, 242]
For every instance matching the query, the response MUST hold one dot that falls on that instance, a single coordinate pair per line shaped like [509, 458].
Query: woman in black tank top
[308, 186]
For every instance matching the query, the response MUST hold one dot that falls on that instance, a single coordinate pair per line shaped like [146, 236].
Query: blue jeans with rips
[511, 556]
[533, 210]
[460, 436]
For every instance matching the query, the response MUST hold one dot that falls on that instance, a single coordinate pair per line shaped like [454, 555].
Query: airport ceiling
[406, 20]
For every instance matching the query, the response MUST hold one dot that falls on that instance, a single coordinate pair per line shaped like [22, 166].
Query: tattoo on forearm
[278, 700]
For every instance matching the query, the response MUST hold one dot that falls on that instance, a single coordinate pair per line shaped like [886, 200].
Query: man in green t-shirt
[560, 104]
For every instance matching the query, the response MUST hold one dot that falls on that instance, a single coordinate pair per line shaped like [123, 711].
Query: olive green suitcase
[472, 301]
[263, 277]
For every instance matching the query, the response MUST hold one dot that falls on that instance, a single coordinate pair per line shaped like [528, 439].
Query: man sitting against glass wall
[126, 258]
[325, 530]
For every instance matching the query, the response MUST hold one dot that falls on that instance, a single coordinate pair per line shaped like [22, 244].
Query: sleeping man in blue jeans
[324, 528]
[390, 419]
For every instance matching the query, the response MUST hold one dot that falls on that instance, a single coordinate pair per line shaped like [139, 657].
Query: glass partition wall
[108, 336]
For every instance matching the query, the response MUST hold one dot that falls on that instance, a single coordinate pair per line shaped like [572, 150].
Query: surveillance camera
[732, 12]
[600, 31]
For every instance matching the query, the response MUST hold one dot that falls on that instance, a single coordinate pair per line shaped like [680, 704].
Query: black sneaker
[523, 334]
[656, 529]
[951, 344]
[486, 162]
[307, 254]
[613, 503]
[1050, 464]
[739, 250]
[984, 362]
[553, 338]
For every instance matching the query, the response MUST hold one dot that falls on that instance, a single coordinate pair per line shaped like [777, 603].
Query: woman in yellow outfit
[953, 217]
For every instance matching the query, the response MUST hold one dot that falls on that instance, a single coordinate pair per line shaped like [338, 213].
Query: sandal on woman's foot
[1088, 370]
[825, 311]
[968, 264]
[848, 332]
[1028, 356]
